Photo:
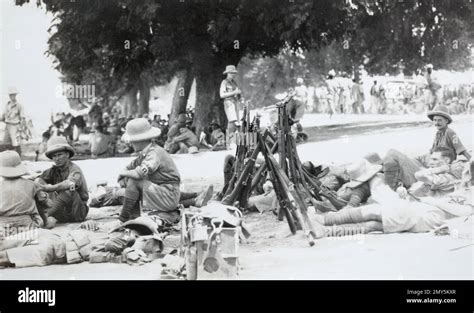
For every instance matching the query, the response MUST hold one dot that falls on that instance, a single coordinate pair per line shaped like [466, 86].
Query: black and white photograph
[237, 140]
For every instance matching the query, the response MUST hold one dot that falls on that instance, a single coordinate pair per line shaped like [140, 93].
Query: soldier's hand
[90, 225]
[402, 192]
[237, 91]
[122, 182]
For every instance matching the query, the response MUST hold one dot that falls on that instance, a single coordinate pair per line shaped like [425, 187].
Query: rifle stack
[294, 186]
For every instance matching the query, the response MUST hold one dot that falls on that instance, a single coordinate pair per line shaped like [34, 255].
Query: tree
[125, 45]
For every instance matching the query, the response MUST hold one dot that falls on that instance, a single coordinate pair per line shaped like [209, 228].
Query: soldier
[333, 92]
[434, 87]
[230, 92]
[400, 169]
[357, 97]
[397, 215]
[19, 197]
[152, 177]
[13, 114]
[65, 183]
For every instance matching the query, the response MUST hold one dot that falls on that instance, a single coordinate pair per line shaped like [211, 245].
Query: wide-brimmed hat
[440, 110]
[142, 224]
[374, 158]
[10, 165]
[139, 129]
[12, 91]
[361, 171]
[230, 69]
[56, 144]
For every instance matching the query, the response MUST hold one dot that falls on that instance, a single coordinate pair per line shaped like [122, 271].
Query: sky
[23, 42]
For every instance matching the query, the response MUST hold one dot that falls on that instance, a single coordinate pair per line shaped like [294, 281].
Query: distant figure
[434, 87]
[333, 92]
[100, 142]
[78, 124]
[95, 114]
[13, 115]
[43, 145]
[230, 92]
[357, 97]
[378, 104]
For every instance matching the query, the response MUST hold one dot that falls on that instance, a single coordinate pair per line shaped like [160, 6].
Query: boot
[128, 209]
[345, 216]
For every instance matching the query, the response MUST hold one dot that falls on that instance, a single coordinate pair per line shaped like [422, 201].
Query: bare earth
[271, 252]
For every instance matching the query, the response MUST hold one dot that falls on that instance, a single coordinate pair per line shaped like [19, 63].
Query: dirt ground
[272, 252]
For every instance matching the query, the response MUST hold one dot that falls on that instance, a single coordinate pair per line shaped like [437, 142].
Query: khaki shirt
[155, 165]
[17, 197]
[71, 172]
[13, 113]
[447, 138]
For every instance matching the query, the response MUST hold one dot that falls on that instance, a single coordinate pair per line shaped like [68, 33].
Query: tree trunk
[181, 93]
[144, 100]
[207, 97]
[129, 102]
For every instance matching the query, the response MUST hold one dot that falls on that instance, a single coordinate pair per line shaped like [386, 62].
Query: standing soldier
[298, 106]
[230, 92]
[13, 115]
[434, 87]
[357, 97]
[376, 98]
[333, 92]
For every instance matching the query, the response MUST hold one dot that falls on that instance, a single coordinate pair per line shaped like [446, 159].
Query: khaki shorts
[230, 109]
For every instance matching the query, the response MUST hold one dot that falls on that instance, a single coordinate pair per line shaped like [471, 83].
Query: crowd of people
[341, 94]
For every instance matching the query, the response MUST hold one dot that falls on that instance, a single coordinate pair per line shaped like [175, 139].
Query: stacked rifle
[295, 187]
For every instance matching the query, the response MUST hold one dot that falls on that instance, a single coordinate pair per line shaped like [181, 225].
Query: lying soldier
[396, 215]
[435, 181]
[66, 185]
[400, 169]
[152, 177]
[19, 197]
[135, 242]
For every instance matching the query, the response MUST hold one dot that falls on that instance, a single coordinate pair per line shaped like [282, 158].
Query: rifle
[243, 179]
[285, 205]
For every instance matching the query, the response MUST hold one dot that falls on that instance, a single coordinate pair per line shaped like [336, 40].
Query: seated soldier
[186, 140]
[152, 177]
[216, 138]
[174, 131]
[43, 145]
[19, 197]
[65, 183]
[398, 215]
[437, 180]
[99, 142]
[400, 169]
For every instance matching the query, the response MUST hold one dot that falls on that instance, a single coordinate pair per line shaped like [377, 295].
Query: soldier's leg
[399, 168]
[68, 207]
[131, 205]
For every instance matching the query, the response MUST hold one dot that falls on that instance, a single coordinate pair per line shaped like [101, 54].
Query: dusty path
[272, 254]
